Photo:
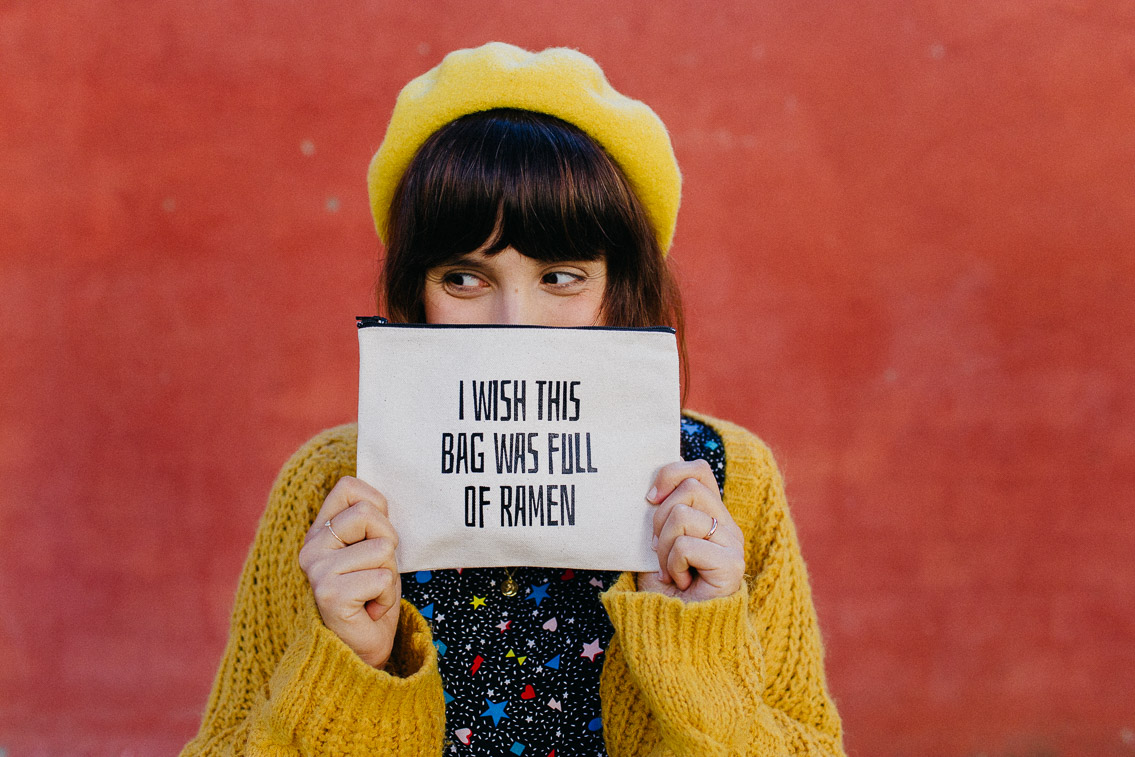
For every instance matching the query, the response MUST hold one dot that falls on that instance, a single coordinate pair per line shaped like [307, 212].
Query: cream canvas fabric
[517, 445]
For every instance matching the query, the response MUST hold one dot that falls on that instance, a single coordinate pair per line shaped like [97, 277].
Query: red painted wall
[906, 246]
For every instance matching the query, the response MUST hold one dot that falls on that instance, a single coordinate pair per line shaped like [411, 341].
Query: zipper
[367, 321]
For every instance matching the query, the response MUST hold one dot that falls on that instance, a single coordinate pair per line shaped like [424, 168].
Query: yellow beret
[559, 82]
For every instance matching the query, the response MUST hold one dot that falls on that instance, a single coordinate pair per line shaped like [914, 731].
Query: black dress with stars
[521, 672]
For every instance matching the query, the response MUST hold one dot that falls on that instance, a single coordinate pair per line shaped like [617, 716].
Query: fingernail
[650, 495]
[661, 576]
[654, 543]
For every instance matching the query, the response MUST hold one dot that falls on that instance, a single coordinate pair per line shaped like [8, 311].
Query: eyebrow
[480, 261]
[472, 259]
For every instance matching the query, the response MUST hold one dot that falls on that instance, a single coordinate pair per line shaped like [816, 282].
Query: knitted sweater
[735, 675]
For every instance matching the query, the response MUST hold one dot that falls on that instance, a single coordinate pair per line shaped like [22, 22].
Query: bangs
[512, 178]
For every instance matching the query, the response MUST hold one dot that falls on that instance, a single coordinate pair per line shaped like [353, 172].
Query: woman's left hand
[693, 564]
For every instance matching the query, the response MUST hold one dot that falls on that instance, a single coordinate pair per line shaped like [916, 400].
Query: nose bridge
[516, 306]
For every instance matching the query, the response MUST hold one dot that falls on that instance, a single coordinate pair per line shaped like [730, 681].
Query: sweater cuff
[325, 700]
[664, 635]
[699, 666]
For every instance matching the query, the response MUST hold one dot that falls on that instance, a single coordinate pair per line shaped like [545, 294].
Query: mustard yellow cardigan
[740, 675]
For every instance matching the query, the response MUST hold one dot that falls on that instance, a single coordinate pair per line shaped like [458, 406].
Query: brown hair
[514, 178]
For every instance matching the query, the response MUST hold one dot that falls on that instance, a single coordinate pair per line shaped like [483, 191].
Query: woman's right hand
[355, 581]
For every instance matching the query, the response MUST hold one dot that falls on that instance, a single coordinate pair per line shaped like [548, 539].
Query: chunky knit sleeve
[736, 675]
[289, 686]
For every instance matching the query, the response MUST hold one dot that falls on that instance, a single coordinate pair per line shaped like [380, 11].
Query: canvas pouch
[517, 445]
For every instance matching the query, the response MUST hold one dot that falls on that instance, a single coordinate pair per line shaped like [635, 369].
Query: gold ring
[711, 528]
[328, 524]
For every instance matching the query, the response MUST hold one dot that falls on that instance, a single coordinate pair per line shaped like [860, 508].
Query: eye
[463, 281]
[561, 279]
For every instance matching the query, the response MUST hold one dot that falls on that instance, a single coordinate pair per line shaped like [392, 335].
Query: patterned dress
[521, 672]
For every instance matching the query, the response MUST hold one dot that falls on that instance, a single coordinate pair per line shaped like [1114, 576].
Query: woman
[517, 188]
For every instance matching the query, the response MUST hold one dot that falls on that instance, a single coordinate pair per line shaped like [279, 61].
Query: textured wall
[906, 246]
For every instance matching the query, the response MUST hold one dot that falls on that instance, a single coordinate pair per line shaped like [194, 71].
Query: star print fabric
[701, 442]
[521, 673]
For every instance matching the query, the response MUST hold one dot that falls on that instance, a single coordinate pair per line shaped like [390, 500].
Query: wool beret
[559, 82]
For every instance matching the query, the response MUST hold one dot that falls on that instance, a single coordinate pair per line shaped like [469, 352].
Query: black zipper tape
[367, 321]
